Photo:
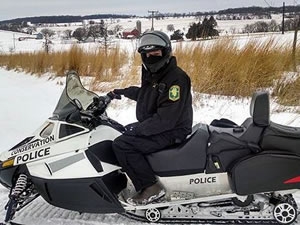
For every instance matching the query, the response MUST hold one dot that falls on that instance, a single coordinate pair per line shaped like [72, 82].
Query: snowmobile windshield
[73, 94]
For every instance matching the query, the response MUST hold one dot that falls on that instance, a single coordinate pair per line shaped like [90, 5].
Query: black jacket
[164, 102]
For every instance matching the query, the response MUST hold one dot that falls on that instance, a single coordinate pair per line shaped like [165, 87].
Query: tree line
[64, 19]
[260, 10]
[272, 26]
[71, 19]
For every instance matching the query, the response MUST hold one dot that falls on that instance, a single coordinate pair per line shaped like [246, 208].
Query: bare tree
[30, 30]
[104, 35]
[95, 31]
[273, 26]
[47, 43]
[117, 28]
[47, 32]
[170, 27]
[68, 34]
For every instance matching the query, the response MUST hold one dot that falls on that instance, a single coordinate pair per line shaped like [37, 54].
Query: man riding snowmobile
[164, 113]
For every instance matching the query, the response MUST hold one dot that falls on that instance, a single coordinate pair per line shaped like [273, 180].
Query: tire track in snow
[40, 212]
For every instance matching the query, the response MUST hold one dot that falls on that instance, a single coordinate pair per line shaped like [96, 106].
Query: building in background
[131, 33]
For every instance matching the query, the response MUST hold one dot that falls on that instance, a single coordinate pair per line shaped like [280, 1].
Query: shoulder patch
[174, 93]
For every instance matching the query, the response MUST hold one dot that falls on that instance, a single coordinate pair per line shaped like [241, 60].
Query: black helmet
[151, 41]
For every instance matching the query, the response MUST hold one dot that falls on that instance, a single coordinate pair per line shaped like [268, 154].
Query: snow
[9, 41]
[26, 101]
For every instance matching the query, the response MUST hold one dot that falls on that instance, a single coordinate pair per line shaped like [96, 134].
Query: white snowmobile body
[69, 162]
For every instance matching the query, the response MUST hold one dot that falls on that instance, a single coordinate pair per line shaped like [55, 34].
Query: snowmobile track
[202, 221]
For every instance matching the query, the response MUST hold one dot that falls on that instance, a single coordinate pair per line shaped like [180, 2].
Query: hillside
[70, 18]
[63, 18]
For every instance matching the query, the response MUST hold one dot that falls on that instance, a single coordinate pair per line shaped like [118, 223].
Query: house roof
[129, 29]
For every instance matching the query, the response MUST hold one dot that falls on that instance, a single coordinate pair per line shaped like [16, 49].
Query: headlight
[8, 163]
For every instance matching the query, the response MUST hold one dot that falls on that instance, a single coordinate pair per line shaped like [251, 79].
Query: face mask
[152, 59]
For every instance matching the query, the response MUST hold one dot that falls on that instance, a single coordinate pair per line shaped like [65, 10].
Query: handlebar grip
[107, 99]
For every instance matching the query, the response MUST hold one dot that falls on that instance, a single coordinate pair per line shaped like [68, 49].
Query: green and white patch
[174, 93]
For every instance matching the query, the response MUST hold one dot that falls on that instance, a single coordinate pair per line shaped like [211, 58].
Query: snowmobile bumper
[90, 195]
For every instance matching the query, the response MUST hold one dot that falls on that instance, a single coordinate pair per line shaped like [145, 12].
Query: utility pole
[297, 26]
[14, 40]
[283, 12]
[152, 15]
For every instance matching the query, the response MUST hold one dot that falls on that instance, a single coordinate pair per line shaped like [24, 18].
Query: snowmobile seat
[259, 120]
[227, 145]
[188, 157]
[281, 137]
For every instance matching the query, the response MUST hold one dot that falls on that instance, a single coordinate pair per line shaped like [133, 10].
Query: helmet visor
[151, 42]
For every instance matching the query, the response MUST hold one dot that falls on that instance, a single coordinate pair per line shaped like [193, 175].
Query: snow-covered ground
[27, 101]
[9, 41]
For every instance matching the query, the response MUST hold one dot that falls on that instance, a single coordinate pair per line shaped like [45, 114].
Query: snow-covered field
[26, 101]
[9, 41]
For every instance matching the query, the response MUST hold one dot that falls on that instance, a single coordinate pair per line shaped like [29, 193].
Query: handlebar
[91, 116]
[99, 105]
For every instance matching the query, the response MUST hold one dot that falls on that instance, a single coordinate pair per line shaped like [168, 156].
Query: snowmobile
[222, 172]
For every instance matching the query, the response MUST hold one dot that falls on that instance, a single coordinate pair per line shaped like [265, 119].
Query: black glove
[112, 95]
[131, 129]
[119, 91]
[116, 93]
[100, 104]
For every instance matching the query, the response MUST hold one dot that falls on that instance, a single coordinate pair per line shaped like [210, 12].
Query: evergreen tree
[208, 28]
[203, 30]
[177, 35]
[80, 34]
[192, 32]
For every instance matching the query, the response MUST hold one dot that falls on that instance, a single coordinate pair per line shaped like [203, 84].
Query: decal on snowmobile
[33, 155]
[33, 145]
[293, 180]
[203, 180]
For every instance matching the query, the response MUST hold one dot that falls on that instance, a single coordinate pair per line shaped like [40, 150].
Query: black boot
[148, 195]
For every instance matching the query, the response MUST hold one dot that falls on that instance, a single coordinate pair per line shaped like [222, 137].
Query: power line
[271, 4]
[267, 3]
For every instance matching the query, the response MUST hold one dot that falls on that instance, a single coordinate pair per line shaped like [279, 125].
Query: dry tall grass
[220, 68]
[288, 93]
[101, 64]
[225, 68]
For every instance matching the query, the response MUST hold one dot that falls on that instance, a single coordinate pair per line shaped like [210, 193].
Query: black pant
[130, 152]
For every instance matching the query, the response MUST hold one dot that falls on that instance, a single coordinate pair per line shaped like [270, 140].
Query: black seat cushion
[186, 158]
